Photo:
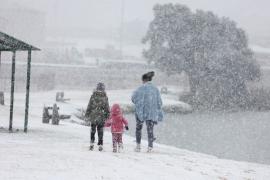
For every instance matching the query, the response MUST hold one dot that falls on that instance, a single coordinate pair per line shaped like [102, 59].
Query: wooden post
[0, 62]
[0, 70]
[27, 90]
[2, 96]
[12, 90]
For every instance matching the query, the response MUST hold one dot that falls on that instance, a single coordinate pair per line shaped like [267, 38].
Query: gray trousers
[150, 131]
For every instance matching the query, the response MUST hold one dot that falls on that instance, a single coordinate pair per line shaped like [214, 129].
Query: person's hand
[127, 128]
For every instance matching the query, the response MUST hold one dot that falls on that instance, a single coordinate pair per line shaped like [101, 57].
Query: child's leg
[114, 140]
[120, 141]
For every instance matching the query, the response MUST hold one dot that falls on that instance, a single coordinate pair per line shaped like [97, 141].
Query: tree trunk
[2, 98]
[193, 84]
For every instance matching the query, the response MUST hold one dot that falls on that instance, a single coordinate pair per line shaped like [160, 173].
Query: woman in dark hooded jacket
[97, 112]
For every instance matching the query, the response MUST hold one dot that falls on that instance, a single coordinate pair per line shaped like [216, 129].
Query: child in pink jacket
[117, 123]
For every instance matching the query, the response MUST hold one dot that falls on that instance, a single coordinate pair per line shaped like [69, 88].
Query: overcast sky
[252, 15]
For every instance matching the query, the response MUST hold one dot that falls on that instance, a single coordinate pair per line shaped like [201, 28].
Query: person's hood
[100, 87]
[99, 93]
[116, 110]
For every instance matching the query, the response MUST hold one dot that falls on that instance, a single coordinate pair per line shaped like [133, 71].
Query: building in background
[26, 24]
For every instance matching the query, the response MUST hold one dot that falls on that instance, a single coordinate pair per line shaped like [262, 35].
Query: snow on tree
[212, 51]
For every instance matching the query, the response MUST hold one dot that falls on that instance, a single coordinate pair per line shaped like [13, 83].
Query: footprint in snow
[222, 178]
[249, 171]
[188, 169]
[169, 165]
[203, 173]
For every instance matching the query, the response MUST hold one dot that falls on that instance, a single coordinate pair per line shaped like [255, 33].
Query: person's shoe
[138, 148]
[91, 148]
[114, 150]
[120, 147]
[100, 148]
[149, 149]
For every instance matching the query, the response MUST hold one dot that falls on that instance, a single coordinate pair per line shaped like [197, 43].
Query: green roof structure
[12, 44]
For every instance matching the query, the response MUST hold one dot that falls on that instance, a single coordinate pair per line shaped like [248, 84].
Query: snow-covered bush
[180, 107]
[260, 99]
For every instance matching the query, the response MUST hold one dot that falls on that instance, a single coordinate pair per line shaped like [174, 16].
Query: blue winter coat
[148, 103]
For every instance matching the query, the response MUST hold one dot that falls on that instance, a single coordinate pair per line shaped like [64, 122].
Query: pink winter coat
[116, 120]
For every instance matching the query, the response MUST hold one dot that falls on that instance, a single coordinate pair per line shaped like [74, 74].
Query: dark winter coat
[98, 108]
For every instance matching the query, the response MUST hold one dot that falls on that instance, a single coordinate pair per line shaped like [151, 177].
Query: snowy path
[50, 152]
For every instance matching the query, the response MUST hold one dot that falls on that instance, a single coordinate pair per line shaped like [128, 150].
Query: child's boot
[120, 147]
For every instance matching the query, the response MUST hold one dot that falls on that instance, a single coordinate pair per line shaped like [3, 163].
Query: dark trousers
[99, 128]
[117, 140]
[150, 131]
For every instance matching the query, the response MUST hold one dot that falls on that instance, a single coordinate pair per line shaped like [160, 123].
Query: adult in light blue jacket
[148, 109]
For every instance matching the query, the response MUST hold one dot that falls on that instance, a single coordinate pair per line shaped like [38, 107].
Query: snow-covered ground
[61, 152]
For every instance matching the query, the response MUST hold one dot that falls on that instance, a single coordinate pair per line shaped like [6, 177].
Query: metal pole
[0, 71]
[0, 61]
[12, 90]
[122, 27]
[2, 95]
[27, 90]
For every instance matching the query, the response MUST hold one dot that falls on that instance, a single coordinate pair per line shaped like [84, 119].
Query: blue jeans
[150, 131]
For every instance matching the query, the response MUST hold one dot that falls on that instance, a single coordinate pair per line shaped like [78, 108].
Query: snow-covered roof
[9, 43]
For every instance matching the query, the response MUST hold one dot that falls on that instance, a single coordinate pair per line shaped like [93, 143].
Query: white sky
[252, 15]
